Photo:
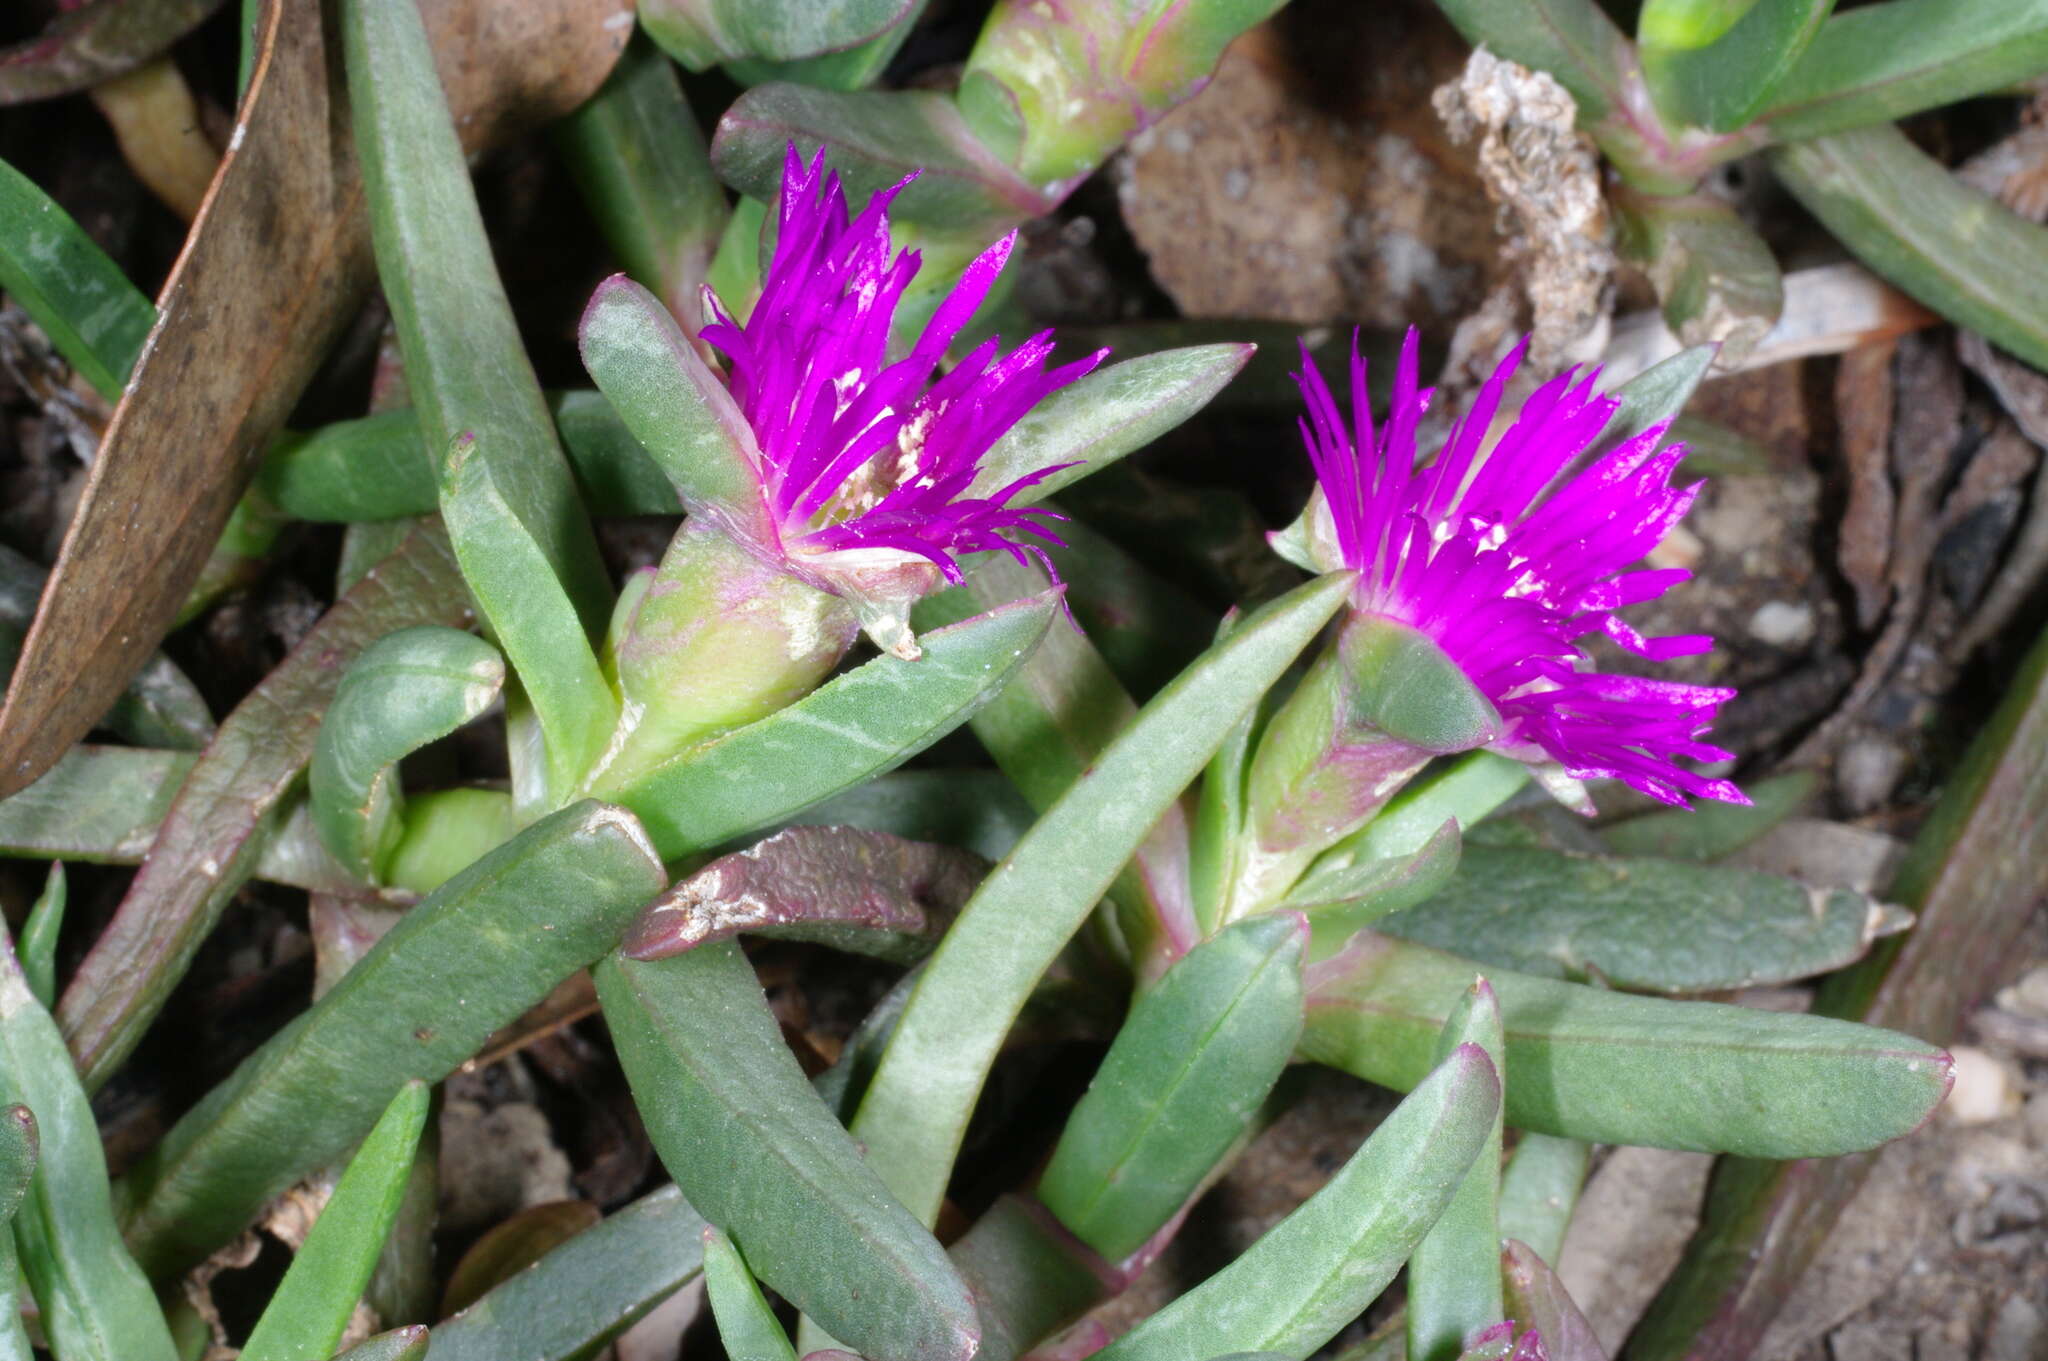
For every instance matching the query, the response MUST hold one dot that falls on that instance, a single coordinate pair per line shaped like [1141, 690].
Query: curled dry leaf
[278, 261]
[157, 123]
[1545, 175]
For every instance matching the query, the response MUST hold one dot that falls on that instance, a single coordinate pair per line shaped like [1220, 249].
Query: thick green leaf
[98, 804]
[39, 938]
[1539, 1188]
[701, 33]
[405, 690]
[1342, 902]
[209, 841]
[873, 139]
[916, 1110]
[1656, 394]
[759, 1155]
[1956, 249]
[746, 1325]
[375, 468]
[54, 272]
[1180, 1085]
[852, 68]
[675, 406]
[1614, 1068]
[572, 1302]
[1030, 1277]
[371, 468]
[1876, 63]
[618, 477]
[18, 1147]
[533, 620]
[1107, 414]
[1720, 85]
[483, 948]
[1711, 830]
[862, 723]
[96, 1304]
[645, 172]
[521, 535]
[1058, 88]
[20, 1143]
[1321, 1266]
[1217, 844]
[400, 1344]
[160, 708]
[1049, 726]
[1648, 925]
[311, 1307]
[1454, 1286]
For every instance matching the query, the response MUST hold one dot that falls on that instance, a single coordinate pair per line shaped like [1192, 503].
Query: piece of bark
[1863, 410]
[277, 261]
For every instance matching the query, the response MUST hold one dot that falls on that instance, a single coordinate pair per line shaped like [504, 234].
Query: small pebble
[1782, 623]
[2029, 996]
[2017, 1331]
[1984, 1089]
[1868, 770]
[2036, 1117]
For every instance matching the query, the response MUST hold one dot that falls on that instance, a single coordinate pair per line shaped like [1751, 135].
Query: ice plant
[867, 465]
[1478, 577]
[1506, 579]
[829, 484]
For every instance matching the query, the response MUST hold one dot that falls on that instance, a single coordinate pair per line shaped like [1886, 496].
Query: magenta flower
[867, 465]
[1506, 579]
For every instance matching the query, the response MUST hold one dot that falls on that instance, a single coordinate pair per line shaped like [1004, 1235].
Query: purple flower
[1505, 562]
[867, 465]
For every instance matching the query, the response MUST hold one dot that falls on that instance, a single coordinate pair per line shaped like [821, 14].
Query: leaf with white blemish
[1642, 923]
[867, 892]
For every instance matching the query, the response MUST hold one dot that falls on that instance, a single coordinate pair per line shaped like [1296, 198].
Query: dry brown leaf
[1863, 409]
[277, 262]
[156, 122]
